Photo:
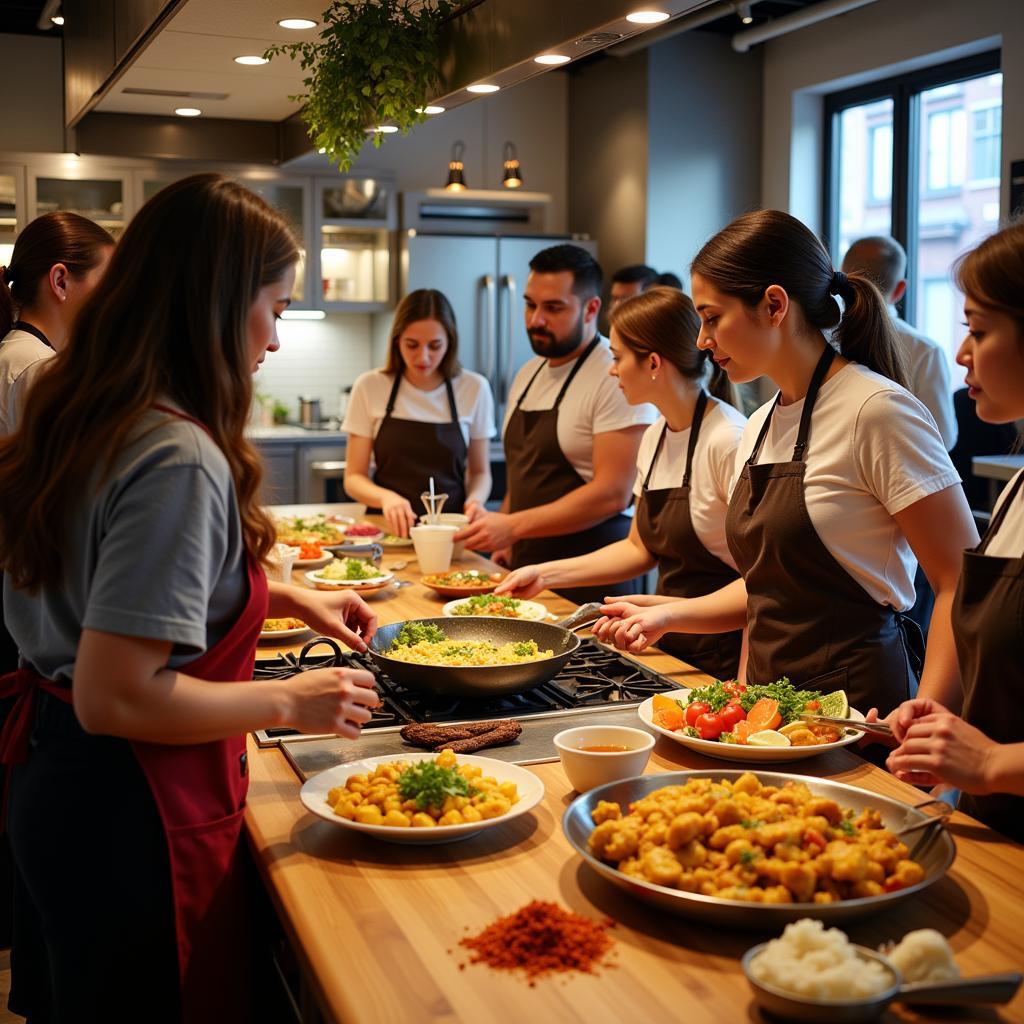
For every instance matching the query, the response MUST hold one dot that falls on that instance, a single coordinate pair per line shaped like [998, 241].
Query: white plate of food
[283, 629]
[349, 573]
[499, 790]
[312, 561]
[496, 607]
[392, 540]
[313, 529]
[362, 533]
[794, 746]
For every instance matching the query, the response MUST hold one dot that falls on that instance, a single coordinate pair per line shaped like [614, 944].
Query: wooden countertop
[373, 923]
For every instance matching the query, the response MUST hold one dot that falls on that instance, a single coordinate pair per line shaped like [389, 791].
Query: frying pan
[483, 681]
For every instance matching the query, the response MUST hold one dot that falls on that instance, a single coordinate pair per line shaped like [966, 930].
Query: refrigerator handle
[490, 325]
[508, 369]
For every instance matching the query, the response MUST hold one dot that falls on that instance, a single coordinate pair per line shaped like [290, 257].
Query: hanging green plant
[376, 62]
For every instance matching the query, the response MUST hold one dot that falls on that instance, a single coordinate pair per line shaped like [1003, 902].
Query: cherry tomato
[694, 711]
[733, 688]
[731, 714]
[710, 725]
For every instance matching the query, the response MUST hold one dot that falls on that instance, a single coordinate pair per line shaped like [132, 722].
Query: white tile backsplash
[317, 359]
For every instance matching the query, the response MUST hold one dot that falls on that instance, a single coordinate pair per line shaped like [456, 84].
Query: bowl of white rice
[814, 973]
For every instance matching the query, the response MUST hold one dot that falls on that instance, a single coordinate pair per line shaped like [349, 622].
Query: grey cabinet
[278, 474]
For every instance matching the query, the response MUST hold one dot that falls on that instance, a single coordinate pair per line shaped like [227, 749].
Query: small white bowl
[588, 769]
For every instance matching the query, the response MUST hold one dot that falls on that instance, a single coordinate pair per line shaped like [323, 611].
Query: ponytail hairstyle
[424, 304]
[992, 273]
[59, 237]
[769, 247]
[663, 321]
[171, 322]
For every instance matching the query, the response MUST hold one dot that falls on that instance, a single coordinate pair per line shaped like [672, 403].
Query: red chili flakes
[539, 939]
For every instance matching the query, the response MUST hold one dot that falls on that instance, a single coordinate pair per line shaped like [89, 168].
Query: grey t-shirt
[156, 552]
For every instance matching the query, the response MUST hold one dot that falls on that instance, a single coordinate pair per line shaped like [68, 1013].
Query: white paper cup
[456, 519]
[588, 769]
[280, 562]
[433, 545]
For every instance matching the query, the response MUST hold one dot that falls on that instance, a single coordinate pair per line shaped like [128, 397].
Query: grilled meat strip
[463, 739]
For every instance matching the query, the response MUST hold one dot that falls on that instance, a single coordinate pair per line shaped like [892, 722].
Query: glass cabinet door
[289, 199]
[10, 212]
[99, 199]
[354, 264]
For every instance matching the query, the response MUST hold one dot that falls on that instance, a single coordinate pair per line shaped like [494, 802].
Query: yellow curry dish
[741, 840]
[423, 794]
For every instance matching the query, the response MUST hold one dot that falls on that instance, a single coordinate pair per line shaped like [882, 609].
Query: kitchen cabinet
[103, 197]
[278, 487]
[12, 208]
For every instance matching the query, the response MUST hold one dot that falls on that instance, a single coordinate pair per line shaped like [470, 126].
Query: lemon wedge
[768, 738]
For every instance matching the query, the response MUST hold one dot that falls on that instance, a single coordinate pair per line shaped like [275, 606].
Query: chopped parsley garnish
[750, 823]
[525, 649]
[748, 856]
[428, 784]
[415, 632]
[791, 701]
[847, 826]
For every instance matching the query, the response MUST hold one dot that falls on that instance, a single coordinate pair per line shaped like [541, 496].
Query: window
[918, 157]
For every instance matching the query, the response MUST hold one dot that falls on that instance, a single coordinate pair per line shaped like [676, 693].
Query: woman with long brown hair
[422, 416]
[684, 467]
[131, 541]
[842, 481]
[972, 737]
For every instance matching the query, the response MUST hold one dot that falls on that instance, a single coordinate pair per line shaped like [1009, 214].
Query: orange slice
[666, 713]
[764, 715]
[742, 730]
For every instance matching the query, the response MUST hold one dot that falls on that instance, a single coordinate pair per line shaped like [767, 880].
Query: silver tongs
[875, 728]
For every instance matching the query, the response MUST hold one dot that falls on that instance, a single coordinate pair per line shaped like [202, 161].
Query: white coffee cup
[433, 545]
[280, 561]
[457, 519]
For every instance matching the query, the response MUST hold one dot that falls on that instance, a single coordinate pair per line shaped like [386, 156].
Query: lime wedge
[835, 705]
[768, 738]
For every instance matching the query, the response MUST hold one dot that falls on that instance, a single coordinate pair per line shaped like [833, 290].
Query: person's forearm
[1006, 769]
[614, 563]
[478, 487]
[285, 600]
[362, 488]
[586, 506]
[940, 679]
[718, 612]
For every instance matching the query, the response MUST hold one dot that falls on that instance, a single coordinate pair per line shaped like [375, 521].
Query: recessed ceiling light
[647, 17]
[58, 20]
[383, 129]
[187, 111]
[482, 87]
[431, 108]
[251, 59]
[297, 23]
[551, 58]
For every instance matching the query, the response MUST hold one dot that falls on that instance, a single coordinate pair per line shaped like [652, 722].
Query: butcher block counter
[375, 926]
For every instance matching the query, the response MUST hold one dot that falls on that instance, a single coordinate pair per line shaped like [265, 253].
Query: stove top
[594, 678]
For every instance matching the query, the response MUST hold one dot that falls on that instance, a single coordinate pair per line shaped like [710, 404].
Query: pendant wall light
[456, 178]
[512, 178]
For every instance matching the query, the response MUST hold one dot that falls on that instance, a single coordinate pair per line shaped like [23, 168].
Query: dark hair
[171, 322]
[634, 274]
[669, 280]
[585, 270]
[58, 237]
[663, 321]
[769, 247]
[424, 304]
[881, 258]
[992, 273]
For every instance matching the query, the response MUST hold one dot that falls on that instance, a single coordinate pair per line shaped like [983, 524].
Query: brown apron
[408, 453]
[988, 624]
[685, 567]
[807, 618]
[538, 473]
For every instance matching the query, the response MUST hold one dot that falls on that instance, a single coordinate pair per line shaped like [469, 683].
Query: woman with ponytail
[57, 261]
[684, 466]
[841, 482]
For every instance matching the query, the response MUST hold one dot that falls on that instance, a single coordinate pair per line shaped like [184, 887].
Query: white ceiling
[196, 53]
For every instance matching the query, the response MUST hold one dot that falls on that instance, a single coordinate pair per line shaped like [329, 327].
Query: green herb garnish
[750, 823]
[748, 856]
[847, 826]
[525, 649]
[791, 701]
[429, 784]
[413, 633]
[472, 604]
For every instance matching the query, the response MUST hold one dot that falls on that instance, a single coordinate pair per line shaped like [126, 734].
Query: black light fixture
[512, 178]
[456, 180]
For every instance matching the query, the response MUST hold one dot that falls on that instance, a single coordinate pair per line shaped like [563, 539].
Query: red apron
[200, 791]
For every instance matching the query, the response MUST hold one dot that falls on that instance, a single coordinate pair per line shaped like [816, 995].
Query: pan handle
[583, 616]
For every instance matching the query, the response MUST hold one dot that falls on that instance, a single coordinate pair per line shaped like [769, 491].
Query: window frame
[904, 91]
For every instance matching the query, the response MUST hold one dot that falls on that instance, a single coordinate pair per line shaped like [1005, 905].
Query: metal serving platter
[935, 858]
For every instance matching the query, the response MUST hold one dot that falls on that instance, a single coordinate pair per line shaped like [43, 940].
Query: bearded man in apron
[570, 437]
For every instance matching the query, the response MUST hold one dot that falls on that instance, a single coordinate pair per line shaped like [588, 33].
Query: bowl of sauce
[593, 755]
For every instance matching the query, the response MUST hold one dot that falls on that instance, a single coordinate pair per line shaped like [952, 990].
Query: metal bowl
[578, 824]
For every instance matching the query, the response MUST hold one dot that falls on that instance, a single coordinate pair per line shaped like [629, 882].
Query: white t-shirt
[711, 473]
[22, 356]
[369, 401]
[592, 405]
[1008, 541]
[873, 451]
[928, 377]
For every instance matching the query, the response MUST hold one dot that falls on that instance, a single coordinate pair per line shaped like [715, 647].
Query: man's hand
[942, 747]
[491, 531]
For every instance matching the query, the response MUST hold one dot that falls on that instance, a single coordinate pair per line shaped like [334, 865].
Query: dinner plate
[390, 540]
[313, 563]
[529, 611]
[314, 798]
[742, 752]
[373, 583]
[486, 585]
[935, 858]
[283, 634]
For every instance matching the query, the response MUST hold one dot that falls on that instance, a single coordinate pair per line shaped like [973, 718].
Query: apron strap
[812, 395]
[24, 325]
[451, 400]
[394, 394]
[764, 431]
[576, 369]
[997, 519]
[529, 383]
[657, 452]
[698, 418]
